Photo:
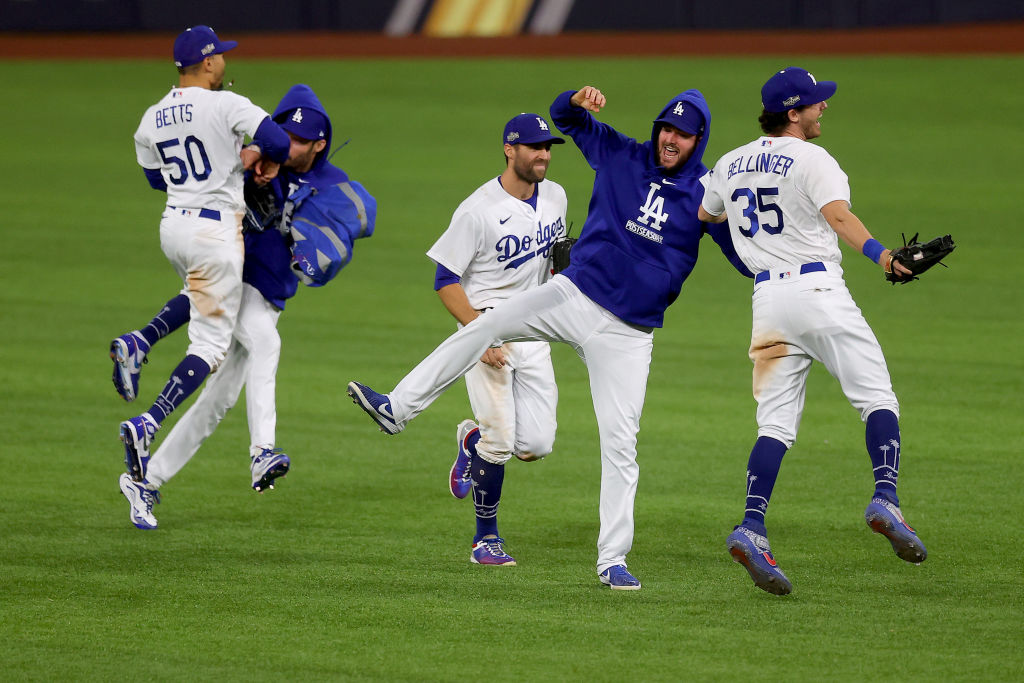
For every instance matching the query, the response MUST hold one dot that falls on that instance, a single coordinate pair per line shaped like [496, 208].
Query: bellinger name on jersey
[779, 164]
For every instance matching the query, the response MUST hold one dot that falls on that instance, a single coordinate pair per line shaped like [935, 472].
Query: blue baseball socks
[173, 315]
[185, 379]
[882, 437]
[762, 471]
[487, 480]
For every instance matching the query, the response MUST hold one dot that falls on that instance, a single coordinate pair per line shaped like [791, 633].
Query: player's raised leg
[130, 350]
[532, 314]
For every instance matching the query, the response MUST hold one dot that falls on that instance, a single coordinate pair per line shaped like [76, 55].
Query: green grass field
[356, 567]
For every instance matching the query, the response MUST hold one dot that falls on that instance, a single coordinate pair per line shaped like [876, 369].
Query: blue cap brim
[553, 140]
[825, 90]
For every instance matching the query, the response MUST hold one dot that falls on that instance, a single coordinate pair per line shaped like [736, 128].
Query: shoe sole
[764, 580]
[907, 548]
[133, 497]
[266, 482]
[132, 460]
[361, 401]
[621, 588]
[473, 560]
[122, 373]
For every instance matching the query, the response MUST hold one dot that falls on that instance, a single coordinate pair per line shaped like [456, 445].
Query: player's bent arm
[852, 231]
[272, 141]
[454, 298]
[705, 217]
[156, 179]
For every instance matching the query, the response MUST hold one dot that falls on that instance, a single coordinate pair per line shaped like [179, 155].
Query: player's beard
[529, 173]
[680, 159]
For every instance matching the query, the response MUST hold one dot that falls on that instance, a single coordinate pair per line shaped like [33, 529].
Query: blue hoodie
[640, 239]
[267, 254]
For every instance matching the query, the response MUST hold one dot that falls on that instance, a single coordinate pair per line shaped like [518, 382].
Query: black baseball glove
[261, 211]
[560, 249]
[917, 257]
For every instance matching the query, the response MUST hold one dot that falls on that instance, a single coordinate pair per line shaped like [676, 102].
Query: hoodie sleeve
[720, 234]
[598, 141]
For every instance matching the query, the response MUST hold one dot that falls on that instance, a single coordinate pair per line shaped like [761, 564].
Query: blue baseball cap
[528, 129]
[685, 116]
[308, 124]
[794, 87]
[195, 44]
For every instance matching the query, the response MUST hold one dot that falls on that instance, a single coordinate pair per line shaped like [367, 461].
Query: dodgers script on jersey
[194, 136]
[772, 226]
[499, 245]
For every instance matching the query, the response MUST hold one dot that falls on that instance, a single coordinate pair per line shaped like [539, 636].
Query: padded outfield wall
[493, 17]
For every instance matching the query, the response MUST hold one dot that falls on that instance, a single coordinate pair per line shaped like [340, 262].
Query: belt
[816, 266]
[212, 214]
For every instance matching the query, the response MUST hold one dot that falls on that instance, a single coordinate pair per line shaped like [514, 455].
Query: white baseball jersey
[499, 245]
[194, 136]
[773, 189]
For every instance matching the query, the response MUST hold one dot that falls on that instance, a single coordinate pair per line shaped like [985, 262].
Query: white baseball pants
[515, 405]
[251, 361]
[618, 358]
[207, 254]
[798, 319]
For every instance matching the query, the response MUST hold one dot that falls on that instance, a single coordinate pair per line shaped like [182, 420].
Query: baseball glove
[560, 249]
[917, 257]
[261, 211]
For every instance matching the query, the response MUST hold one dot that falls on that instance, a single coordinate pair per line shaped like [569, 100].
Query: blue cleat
[885, 518]
[268, 465]
[377, 406]
[459, 481]
[490, 551]
[141, 500]
[619, 579]
[137, 434]
[752, 551]
[128, 353]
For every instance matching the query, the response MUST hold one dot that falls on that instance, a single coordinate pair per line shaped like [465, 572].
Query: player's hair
[191, 69]
[774, 122]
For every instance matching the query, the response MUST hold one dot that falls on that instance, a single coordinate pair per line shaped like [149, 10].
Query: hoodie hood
[683, 111]
[302, 97]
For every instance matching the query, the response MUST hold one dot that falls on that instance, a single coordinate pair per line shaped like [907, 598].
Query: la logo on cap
[678, 111]
[297, 116]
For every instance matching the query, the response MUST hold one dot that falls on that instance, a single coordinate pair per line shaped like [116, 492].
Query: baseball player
[788, 202]
[190, 145]
[495, 246]
[270, 276]
[637, 246]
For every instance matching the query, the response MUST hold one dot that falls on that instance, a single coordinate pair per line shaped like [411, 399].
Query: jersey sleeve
[713, 201]
[824, 181]
[144, 152]
[458, 246]
[242, 115]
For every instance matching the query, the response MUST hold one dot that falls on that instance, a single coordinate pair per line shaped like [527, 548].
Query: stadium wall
[492, 17]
